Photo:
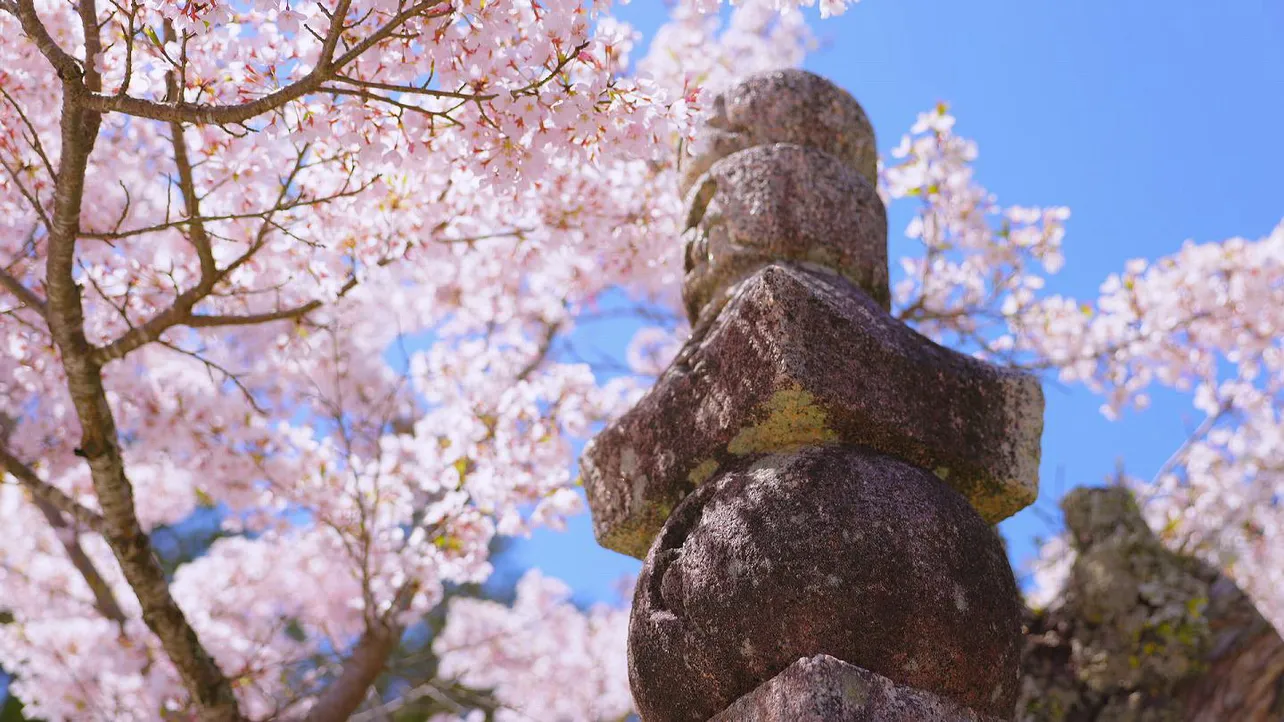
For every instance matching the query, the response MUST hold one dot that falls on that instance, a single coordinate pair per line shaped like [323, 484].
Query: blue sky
[1155, 122]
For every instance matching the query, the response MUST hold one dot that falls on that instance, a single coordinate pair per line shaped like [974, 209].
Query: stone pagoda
[812, 484]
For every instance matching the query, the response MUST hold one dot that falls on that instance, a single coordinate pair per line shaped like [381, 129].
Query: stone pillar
[812, 484]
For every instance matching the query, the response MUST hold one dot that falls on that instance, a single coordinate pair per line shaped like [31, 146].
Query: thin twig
[226, 114]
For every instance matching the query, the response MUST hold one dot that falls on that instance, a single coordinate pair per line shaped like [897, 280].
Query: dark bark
[99, 445]
[367, 660]
[1142, 634]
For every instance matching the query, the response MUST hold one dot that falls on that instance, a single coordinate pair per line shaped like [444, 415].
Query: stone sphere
[783, 106]
[833, 550]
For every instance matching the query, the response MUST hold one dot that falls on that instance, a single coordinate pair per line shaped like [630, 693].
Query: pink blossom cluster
[1208, 321]
[1204, 321]
[981, 263]
[543, 658]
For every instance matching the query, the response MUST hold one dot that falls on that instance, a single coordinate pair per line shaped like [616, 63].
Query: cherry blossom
[542, 657]
[981, 262]
[307, 264]
[1205, 321]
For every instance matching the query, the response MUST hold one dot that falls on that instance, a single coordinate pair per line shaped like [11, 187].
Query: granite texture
[781, 202]
[824, 689]
[782, 106]
[798, 358]
[831, 550]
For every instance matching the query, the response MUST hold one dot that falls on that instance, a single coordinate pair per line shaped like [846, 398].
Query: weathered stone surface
[833, 550]
[783, 106]
[1143, 634]
[798, 358]
[824, 689]
[781, 202]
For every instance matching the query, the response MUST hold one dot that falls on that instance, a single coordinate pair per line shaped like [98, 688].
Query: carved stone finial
[783, 106]
[1094, 514]
[1135, 624]
[785, 170]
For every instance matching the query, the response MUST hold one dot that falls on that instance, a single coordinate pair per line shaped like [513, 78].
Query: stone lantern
[812, 484]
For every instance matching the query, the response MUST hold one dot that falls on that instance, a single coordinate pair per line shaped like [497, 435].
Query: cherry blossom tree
[309, 265]
[224, 227]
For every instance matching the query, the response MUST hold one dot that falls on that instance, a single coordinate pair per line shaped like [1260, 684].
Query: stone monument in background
[812, 484]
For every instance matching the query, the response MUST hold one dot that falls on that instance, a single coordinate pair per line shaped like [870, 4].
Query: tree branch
[53, 504]
[46, 493]
[27, 296]
[27, 193]
[129, 32]
[36, 145]
[209, 688]
[93, 43]
[67, 67]
[186, 181]
[180, 312]
[541, 353]
[157, 227]
[212, 366]
[376, 98]
[335, 32]
[180, 111]
[345, 694]
[199, 321]
[104, 600]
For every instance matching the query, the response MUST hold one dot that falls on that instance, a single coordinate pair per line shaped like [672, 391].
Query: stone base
[824, 689]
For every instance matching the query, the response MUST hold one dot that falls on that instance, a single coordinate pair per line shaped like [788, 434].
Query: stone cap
[781, 202]
[801, 357]
[782, 106]
[824, 689]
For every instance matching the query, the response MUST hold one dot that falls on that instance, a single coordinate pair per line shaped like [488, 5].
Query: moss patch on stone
[793, 419]
[855, 691]
[702, 472]
[992, 500]
[634, 536]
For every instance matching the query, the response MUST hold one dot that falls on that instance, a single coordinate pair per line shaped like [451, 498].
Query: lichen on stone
[702, 472]
[1131, 629]
[855, 691]
[793, 420]
[634, 536]
[994, 500]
